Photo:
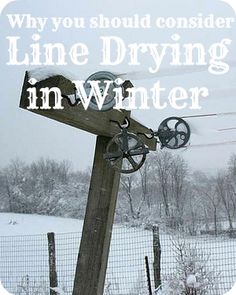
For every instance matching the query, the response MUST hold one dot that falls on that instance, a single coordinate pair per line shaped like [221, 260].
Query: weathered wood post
[157, 256]
[94, 247]
[52, 263]
[148, 275]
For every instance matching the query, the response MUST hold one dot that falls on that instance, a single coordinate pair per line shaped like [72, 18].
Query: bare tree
[232, 181]
[145, 173]
[205, 188]
[224, 192]
[171, 173]
[179, 188]
[161, 165]
[127, 183]
[13, 183]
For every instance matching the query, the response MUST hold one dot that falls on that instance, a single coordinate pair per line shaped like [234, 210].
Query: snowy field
[24, 256]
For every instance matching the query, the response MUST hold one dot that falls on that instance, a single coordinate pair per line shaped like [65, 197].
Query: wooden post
[157, 257]
[95, 242]
[148, 276]
[94, 247]
[52, 263]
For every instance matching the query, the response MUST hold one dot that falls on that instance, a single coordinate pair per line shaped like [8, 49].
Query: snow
[232, 291]
[22, 224]
[23, 250]
[3, 291]
[191, 281]
[42, 73]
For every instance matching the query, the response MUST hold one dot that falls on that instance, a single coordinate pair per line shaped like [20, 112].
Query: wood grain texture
[95, 242]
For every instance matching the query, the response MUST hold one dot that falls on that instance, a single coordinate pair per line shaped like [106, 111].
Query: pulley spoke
[138, 152]
[113, 155]
[132, 162]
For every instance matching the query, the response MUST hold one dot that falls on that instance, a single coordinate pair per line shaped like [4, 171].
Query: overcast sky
[28, 136]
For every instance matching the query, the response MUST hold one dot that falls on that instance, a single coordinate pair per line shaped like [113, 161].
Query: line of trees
[43, 187]
[164, 190]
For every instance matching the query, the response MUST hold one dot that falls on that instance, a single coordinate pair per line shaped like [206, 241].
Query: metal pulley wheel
[173, 133]
[126, 152]
[102, 77]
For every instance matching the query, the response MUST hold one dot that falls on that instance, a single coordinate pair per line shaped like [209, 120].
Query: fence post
[52, 262]
[148, 276]
[157, 257]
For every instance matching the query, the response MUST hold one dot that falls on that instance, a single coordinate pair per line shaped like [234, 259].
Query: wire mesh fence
[24, 262]
[207, 262]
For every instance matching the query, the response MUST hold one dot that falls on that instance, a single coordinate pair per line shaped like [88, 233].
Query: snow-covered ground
[24, 255]
[25, 224]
